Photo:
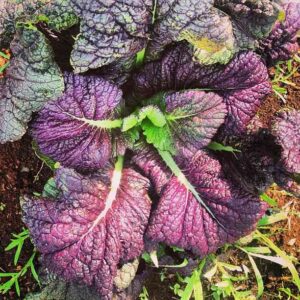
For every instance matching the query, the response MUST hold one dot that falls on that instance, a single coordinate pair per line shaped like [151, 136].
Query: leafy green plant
[17, 243]
[144, 295]
[190, 286]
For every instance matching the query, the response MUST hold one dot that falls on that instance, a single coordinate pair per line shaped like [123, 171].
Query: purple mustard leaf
[243, 83]
[180, 220]
[76, 129]
[97, 222]
[151, 166]
[288, 183]
[208, 30]
[109, 31]
[215, 30]
[252, 168]
[251, 20]
[193, 117]
[282, 41]
[286, 129]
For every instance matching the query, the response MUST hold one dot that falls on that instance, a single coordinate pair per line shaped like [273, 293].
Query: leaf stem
[119, 163]
[170, 162]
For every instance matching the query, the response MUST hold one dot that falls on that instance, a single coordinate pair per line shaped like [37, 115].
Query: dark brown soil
[273, 104]
[18, 168]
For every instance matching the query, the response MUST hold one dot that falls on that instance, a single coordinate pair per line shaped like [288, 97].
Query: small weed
[17, 243]
[144, 295]
[284, 71]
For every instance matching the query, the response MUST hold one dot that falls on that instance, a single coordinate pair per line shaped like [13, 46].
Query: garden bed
[22, 172]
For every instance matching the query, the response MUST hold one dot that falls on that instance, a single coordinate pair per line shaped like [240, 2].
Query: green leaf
[259, 280]
[18, 252]
[17, 288]
[181, 265]
[50, 190]
[269, 200]
[32, 80]
[220, 147]
[154, 114]
[146, 257]
[160, 137]
[129, 122]
[34, 273]
[140, 57]
[258, 250]
[267, 220]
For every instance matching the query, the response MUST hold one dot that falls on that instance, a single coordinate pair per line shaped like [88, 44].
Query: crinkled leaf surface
[207, 29]
[194, 117]
[76, 129]
[149, 162]
[109, 30]
[215, 29]
[251, 20]
[190, 119]
[10, 10]
[282, 41]
[179, 220]
[31, 80]
[97, 222]
[242, 84]
[286, 129]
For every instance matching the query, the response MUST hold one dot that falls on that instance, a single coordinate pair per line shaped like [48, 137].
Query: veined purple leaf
[97, 222]
[282, 41]
[242, 84]
[109, 31]
[286, 129]
[208, 30]
[149, 162]
[193, 118]
[182, 121]
[76, 129]
[31, 79]
[180, 220]
[251, 20]
[216, 30]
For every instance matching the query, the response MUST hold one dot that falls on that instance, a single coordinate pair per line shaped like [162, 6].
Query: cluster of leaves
[140, 158]
[111, 34]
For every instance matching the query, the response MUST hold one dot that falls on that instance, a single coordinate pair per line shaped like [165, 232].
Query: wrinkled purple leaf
[243, 83]
[73, 129]
[97, 223]
[286, 129]
[181, 221]
[109, 31]
[282, 41]
[152, 166]
[194, 117]
[214, 29]
[251, 19]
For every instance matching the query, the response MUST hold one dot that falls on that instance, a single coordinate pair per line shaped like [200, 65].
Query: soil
[21, 172]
